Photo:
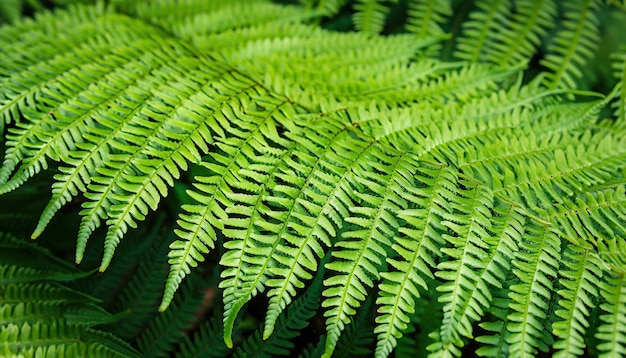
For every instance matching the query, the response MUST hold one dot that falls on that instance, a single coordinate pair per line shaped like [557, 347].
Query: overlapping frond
[417, 247]
[494, 341]
[208, 340]
[573, 45]
[351, 171]
[167, 328]
[578, 294]
[369, 15]
[618, 65]
[521, 28]
[536, 269]
[482, 29]
[426, 17]
[41, 317]
[287, 326]
[524, 32]
[612, 329]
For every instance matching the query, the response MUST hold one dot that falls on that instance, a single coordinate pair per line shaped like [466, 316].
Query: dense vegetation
[313, 178]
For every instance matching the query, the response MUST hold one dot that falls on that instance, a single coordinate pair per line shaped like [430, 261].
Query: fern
[41, 317]
[427, 17]
[369, 16]
[319, 192]
[573, 45]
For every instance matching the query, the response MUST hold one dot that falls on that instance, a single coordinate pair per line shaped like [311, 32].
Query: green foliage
[278, 188]
[40, 316]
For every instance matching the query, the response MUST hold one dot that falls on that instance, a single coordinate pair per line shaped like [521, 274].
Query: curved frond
[612, 329]
[482, 28]
[426, 17]
[369, 16]
[618, 64]
[417, 246]
[414, 199]
[522, 33]
[579, 294]
[573, 45]
[287, 326]
[530, 298]
[41, 317]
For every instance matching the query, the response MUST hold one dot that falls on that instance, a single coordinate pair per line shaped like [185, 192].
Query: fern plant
[275, 186]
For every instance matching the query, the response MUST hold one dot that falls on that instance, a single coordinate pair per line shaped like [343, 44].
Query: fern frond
[593, 221]
[208, 340]
[560, 163]
[482, 29]
[86, 156]
[573, 45]
[166, 329]
[426, 17]
[158, 161]
[522, 33]
[464, 294]
[287, 326]
[612, 329]
[530, 298]
[309, 226]
[579, 293]
[364, 246]
[416, 246]
[141, 295]
[238, 15]
[481, 268]
[311, 150]
[496, 335]
[618, 64]
[256, 128]
[358, 336]
[276, 220]
[220, 191]
[381, 195]
[39, 316]
[369, 15]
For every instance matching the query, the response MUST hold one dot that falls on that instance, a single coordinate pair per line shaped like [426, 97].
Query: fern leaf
[369, 16]
[39, 316]
[611, 332]
[426, 17]
[141, 189]
[141, 294]
[417, 246]
[89, 155]
[579, 293]
[358, 336]
[481, 29]
[595, 221]
[314, 224]
[564, 172]
[464, 294]
[374, 218]
[200, 224]
[496, 334]
[288, 325]
[522, 33]
[218, 18]
[618, 64]
[364, 247]
[208, 340]
[257, 238]
[530, 297]
[573, 45]
[166, 329]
